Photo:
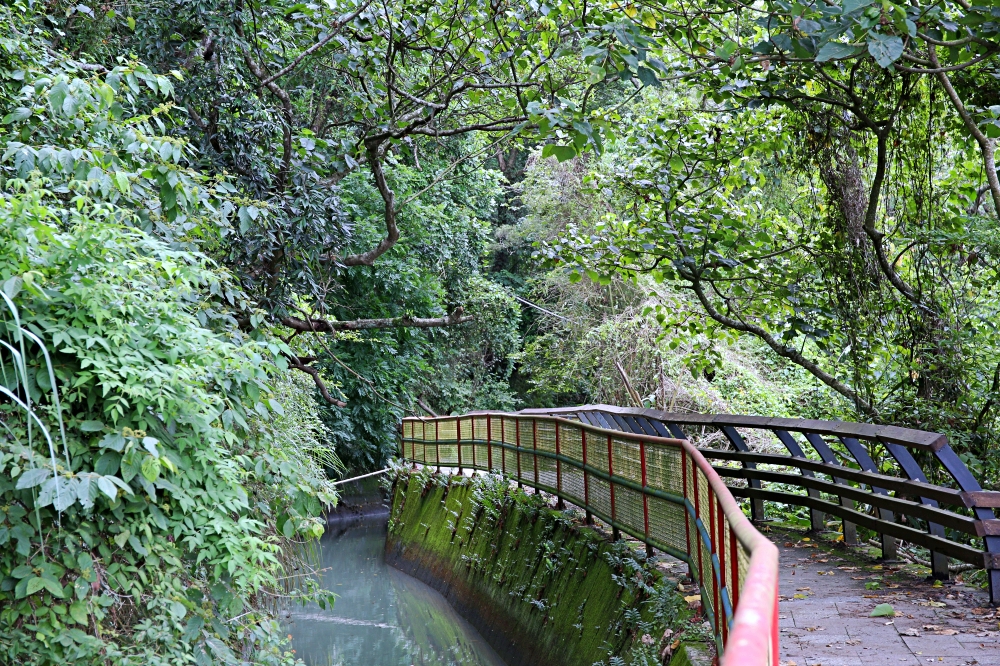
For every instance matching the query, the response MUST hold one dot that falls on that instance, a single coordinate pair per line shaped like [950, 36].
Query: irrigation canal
[382, 617]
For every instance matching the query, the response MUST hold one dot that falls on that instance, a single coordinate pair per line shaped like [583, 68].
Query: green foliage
[152, 479]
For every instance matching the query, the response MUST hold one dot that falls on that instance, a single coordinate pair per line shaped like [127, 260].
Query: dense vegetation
[239, 239]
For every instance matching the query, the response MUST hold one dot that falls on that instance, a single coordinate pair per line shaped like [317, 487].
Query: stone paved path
[824, 614]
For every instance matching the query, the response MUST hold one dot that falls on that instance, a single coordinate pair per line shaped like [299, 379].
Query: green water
[382, 616]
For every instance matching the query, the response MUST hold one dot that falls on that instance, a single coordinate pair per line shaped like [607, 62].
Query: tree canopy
[239, 239]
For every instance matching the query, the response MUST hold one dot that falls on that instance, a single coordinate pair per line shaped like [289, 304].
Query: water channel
[382, 617]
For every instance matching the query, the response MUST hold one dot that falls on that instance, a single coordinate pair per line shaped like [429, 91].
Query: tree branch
[780, 349]
[298, 364]
[286, 107]
[337, 26]
[325, 326]
[391, 230]
[986, 145]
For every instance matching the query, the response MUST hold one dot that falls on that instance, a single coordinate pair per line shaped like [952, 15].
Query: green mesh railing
[658, 490]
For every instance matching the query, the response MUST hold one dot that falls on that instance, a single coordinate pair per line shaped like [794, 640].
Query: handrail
[909, 496]
[660, 490]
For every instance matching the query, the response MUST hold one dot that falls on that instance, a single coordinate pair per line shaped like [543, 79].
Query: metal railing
[846, 470]
[659, 489]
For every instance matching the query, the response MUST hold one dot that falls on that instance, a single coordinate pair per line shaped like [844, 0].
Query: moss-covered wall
[541, 588]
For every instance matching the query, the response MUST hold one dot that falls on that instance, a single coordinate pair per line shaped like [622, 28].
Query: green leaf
[107, 487]
[78, 611]
[22, 571]
[121, 180]
[34, 585]
[647, 76]
[561, 153]
[836, 51]
[151, 469]
[58, 95]
[288, 529]
[17, 114]
[114, 441]
[850, 6]
[33, 477]
[122, 538]
[91, 426]
[886, 49]
[108, 463]
[883, 610]
[193, 628]
[54, 588]
[130, 465]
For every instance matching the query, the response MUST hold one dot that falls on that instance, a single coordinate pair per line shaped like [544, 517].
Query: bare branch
[325, 326]
[337, 26]
[298, 364]
[986, 145]
[782, 350]
[391, 230]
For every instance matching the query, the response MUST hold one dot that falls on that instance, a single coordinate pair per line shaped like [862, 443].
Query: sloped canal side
[541, 588]
[382, 617]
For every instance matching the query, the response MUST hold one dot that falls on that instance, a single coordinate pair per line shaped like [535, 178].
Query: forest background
[240, 239]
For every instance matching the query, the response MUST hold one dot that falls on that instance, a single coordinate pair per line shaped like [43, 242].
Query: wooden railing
[873, 476]
[658, 489]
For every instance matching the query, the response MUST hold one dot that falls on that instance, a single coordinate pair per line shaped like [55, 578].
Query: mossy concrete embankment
[543, 589]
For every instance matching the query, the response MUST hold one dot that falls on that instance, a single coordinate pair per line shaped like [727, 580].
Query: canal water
[382, 617]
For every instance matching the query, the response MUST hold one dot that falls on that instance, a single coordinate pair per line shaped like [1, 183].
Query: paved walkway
[824, 614]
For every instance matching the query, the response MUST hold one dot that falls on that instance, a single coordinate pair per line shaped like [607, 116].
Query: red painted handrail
[747, 627]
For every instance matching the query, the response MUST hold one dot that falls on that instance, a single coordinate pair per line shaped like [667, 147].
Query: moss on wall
[541, 588]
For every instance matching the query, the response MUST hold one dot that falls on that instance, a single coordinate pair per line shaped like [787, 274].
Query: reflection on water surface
[382, 616]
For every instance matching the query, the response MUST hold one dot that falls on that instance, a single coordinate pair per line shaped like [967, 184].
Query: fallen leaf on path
[883, 610]
[910, 632]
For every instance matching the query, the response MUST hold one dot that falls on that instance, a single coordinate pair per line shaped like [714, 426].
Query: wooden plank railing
[658, 489]
[835, 464]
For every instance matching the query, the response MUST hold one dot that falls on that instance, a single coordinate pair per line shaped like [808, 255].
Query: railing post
[817, 520]
[458, 441]
[968, 483]
[734, 573]
[697, 515]
[472, 422]
[437, 444]
[866, 463]
[586, 478]
[489, 444]
[687, 514]
[734, 437]
[560, 504]
[534, 446]
[645, 498]
[827, 455]
[413, 445]
[716, 602]
[939, 561]
[503, 449]
[517, 443]
[615, 533]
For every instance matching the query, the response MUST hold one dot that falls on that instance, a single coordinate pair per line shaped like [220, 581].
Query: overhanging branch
[300, 364]
[325, 326]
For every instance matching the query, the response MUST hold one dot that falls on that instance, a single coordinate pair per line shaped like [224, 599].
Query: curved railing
[841, 466]
[658, 489]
